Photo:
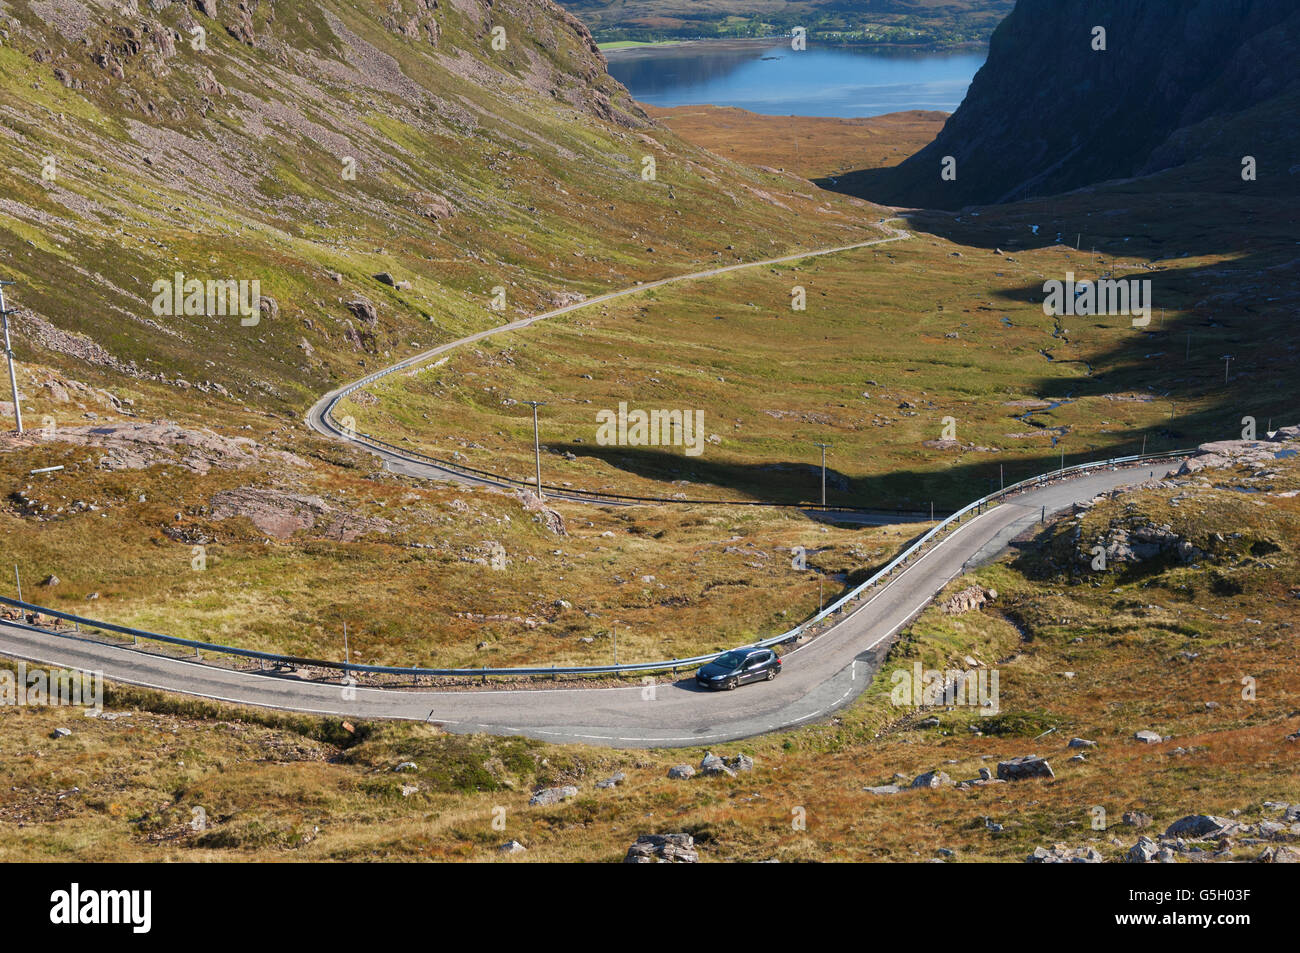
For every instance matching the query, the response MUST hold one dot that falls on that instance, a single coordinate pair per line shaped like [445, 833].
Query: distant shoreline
[740, 43]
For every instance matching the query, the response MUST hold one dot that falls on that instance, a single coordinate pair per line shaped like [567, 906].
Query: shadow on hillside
[1202, 312]
[793, 484]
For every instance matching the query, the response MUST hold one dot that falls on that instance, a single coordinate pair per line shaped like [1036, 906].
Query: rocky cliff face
[1050, 112]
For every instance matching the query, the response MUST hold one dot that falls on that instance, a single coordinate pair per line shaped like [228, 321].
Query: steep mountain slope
[456, 146]
[1049, 112]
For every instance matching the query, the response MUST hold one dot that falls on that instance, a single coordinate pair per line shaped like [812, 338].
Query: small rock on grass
[932, 779]
[548, 796]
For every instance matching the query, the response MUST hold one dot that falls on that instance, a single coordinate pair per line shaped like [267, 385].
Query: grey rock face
[662, 849]
[1143, 852]
[1028, 766]
[932, 779]
[1198, 826]
[547, 796]
[1060, 854]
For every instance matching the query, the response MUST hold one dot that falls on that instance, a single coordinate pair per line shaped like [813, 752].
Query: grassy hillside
[974, 346]
[476, 169]
[896, 339]
[133, 156]
[1152, 646]
[290, 553]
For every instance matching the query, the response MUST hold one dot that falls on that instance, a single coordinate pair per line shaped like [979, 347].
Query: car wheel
[732, 683]
[771, 674]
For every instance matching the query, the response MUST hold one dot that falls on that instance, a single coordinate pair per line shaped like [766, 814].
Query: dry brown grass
[279, 787]
[809, 146]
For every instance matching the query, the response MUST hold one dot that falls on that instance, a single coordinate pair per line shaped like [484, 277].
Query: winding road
[820, 676]
[318, 417]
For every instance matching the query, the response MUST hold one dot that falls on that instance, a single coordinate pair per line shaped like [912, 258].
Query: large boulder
[932, 779]
[1198, 827]
[547, 796]
[1023, 768]
[741, 762]
[973, 597]
[1060, 854]
[713, 765]
[662, 849]
[1143, 852]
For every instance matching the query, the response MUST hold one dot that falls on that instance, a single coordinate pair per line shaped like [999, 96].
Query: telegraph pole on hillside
[537, 443]
[824, 446]
[9, 354]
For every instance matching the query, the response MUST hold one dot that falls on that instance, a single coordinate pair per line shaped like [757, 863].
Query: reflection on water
[769, 77]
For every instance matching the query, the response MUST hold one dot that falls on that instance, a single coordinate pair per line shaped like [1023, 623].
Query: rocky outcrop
[970, 598]
[1023, 768]
[1061, 854]
[713, 765]
[134, 446]
[1249, 453]
[281, 514]
[1134, 539]
[1198, 827]
[932, 779]
[553, 520]
[662, 849]
[548, 796]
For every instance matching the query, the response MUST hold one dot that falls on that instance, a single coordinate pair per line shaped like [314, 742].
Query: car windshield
[731, 659]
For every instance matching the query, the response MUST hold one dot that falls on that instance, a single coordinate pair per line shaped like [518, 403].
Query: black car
[738, 667]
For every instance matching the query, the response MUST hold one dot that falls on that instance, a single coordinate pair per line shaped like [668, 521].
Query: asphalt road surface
[819, 677]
